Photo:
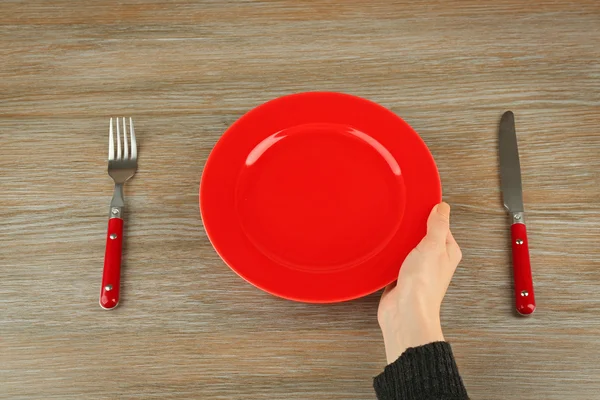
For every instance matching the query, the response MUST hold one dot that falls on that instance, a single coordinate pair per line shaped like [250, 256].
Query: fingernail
[444, 209]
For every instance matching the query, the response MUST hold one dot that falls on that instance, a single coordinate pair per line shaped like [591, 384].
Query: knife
[512, 195]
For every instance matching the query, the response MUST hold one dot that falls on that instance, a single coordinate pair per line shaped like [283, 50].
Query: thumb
[438, 224]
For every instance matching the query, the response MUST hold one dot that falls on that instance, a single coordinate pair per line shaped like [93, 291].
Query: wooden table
[188, 327]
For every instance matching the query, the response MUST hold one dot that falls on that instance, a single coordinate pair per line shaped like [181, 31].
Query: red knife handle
[111, 275]
[524, 297]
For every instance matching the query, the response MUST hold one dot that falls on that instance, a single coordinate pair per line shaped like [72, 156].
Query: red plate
[318, 197]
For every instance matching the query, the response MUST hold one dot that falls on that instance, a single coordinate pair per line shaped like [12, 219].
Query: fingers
[439, 238]
[438, 225]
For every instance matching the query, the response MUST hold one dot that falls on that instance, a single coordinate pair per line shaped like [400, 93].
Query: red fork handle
[111, 275]
[524, 296]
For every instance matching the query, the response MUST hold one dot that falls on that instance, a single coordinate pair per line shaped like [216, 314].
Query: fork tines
[125, 145]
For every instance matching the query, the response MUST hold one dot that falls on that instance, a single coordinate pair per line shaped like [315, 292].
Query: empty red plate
[318, 197]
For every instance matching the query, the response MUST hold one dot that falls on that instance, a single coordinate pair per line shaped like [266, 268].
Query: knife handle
[111, 275]
[524, 296]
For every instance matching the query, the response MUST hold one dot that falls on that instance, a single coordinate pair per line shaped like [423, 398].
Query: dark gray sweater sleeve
[422, 373]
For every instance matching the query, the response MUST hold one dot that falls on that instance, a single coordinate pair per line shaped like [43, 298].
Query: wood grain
[187, 326]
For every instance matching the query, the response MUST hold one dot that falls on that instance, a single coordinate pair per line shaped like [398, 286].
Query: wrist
[410, 332]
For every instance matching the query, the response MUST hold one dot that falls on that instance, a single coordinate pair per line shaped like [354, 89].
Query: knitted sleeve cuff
[424, 372]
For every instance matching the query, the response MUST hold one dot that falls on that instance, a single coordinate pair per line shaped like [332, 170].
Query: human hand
[409, 309]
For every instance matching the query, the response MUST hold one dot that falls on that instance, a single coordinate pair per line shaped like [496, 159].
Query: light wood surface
[187, 326]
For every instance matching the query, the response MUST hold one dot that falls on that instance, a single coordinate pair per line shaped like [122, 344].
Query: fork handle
[111, 275]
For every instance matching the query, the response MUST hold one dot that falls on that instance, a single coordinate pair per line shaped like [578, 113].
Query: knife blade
[512, 195]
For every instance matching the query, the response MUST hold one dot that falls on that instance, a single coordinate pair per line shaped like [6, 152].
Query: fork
[121, 166]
